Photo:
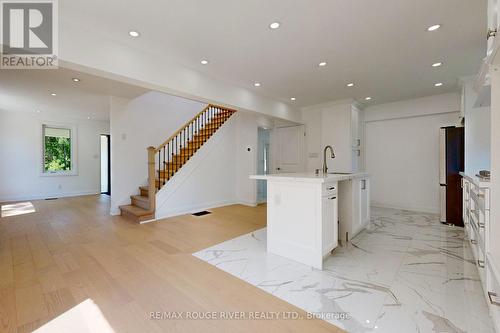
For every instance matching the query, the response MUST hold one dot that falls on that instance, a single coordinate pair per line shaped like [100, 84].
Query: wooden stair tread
[144, 188]
[136, 211]
[140, 198]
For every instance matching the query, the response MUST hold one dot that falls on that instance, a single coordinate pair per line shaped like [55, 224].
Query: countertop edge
[311, 178]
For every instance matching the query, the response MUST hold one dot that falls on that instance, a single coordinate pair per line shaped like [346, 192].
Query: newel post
[151, 178]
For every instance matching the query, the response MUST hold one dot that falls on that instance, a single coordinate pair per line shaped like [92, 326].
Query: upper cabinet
[492, 22]
[482, 84]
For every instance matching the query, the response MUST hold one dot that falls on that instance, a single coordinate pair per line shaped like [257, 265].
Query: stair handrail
[189, 123]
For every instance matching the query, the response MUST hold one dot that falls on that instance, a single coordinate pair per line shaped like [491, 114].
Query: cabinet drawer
[493, 290]
[330, 189]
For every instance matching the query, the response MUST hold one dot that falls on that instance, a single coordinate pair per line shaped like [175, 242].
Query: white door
[288, 149]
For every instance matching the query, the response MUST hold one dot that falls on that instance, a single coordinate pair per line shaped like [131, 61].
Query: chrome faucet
[325, 167]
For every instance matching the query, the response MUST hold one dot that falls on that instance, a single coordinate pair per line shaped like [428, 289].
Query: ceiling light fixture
[439, 84]
[350, 85]
[274, 25]
[437, 64]
[88, 118]
[53, 94]
[134, 33]
[293, 99]
[322, 64]
[256, 84]
[368, 98]
[434, 27]
[75, 79]
[38, 111]
[204, 62]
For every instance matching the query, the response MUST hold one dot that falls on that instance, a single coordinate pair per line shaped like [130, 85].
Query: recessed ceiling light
[75, 79]
[439, 84]
[88, 118]
[38, 111]
[134, 33]
[350, 84]
[434, 27]
[437, 64]
[368, 98]
[293, 99]
[204, 62]
[322, 64]
[256, 84]
[53, 94]
[274, 25]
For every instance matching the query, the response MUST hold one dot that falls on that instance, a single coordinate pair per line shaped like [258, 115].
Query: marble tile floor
[405, 273]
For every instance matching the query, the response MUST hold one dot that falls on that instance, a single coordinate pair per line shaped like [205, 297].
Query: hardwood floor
[71, 250]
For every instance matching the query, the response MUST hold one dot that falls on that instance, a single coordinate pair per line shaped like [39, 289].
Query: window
[58, 150]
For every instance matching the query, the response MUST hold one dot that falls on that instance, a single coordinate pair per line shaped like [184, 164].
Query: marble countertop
[481, 183]
[310, 177]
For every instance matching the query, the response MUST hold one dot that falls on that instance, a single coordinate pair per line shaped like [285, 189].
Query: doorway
[288, 149]
[263, 165]
[105, 164]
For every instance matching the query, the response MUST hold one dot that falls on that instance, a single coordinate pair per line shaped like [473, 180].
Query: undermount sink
[339, 173]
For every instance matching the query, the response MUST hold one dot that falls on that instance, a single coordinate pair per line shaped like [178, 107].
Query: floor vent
[51, 198]
[202, 213]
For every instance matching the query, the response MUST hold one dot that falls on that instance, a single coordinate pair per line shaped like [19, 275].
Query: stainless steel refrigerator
[451, 162]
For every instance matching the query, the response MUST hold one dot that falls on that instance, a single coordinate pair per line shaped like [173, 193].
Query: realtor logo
[29, 34]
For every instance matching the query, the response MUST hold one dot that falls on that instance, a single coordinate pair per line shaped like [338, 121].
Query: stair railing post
[151, 178]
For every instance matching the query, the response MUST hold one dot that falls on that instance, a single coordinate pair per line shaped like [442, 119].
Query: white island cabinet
[302, 215]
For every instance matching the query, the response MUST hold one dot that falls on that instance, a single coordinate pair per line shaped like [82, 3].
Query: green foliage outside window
[57, 154]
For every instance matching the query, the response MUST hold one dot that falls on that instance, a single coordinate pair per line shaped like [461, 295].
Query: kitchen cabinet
[354, 214]
[477, 224]
[303, 213]
[341, 128]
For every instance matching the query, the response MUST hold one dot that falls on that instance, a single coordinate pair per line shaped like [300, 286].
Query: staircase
[166, 160]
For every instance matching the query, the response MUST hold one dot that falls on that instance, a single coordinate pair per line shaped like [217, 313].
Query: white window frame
[74, 151]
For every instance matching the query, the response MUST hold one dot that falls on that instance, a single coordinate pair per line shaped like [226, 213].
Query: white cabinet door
[356, 207]
[355, 139]
[493, 19]
[364, 201]
[355, 128]
[330, 223]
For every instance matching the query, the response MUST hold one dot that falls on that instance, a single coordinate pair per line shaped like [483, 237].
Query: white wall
[135, 125]
[314, 155]
[246, 158]
[20, 157]
[477, 133]
[402, 150]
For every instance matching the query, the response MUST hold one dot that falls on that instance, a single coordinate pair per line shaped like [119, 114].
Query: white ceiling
[381, 45]
[30, 91]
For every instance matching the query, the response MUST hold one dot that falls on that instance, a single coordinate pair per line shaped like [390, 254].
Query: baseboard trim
[419, 209]
[7, 199]
[198, 208]
[195, 208]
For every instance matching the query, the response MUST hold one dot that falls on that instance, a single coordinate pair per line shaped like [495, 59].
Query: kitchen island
[303, 212]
